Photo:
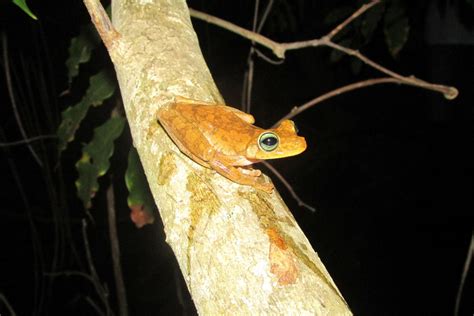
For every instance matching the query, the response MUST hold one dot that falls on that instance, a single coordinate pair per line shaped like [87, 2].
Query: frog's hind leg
[173, 125]
[250, 171]
[236, 175]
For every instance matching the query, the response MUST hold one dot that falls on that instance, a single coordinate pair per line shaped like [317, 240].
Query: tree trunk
[240, 250]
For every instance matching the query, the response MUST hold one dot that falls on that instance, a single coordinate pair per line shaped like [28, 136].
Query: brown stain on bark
[167, 168]
[283, 244]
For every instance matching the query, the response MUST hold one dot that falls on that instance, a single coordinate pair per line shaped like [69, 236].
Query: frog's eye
[268, 141]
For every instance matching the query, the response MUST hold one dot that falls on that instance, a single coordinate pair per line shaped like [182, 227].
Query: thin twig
[289, 187]
[467, 264]
[353, 86]
[87, 249]
[115, 250]
[94, 281]
[7, 304]
[279, 49]
[100, 289]
[250, 64]
[265, 14]
[38, 258]
[11, 93]
[354, 15]
[94, 305]
[255, 16]
[249, 74]
[268, 59]
[448, 92]
[28, 140]
[255, 37]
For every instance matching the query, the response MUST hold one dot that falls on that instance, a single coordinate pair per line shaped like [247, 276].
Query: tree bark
[240, 250]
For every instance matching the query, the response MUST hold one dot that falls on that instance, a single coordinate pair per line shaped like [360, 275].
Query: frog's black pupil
[270, 141]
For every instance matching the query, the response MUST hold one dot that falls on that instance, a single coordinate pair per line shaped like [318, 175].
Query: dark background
[389, 168]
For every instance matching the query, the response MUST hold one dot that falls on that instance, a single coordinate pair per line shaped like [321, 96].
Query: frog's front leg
[236, 175]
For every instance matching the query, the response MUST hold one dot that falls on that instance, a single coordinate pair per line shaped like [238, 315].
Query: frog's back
[223, 129]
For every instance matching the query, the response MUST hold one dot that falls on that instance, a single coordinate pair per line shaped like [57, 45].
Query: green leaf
[371, 20]
[100, 88]
[94, 162]
[396, 27]
[80, 49]
[139, 195]
[22, 4]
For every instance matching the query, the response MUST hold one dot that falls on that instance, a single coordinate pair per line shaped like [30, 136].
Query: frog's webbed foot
[241, 175]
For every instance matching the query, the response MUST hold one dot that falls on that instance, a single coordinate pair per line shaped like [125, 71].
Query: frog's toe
[250, 172]
[266, 187]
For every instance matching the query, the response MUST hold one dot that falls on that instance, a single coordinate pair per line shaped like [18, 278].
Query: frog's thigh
[172, 123]
[188, 153]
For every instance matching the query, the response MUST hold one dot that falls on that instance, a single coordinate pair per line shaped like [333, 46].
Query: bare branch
[7, 304]
[448, 92]
[354, 16]
[94, 306]
[255, 37]
[268, 8]
[28, 140]
[100, 289]
[11, 93]
[104, 26]
[467, 264]
[353, 86]
[279, 49]
[115, 250]
[289, 187]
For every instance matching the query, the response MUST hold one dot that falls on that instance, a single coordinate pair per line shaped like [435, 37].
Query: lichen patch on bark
[203, 204]
[167, 168]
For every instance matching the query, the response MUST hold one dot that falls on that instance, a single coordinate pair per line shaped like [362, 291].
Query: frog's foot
[249, 171]
[267, 186]
[239, 176]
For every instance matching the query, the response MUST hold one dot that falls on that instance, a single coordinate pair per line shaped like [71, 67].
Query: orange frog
[223, 138]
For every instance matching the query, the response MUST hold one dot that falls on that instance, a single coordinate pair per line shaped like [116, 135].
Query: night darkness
[389, 168]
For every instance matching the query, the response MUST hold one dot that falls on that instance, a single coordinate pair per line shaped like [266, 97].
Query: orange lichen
[276, 239]
[283, 264]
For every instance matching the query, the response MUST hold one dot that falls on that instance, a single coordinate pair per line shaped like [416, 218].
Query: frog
[224, 139]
